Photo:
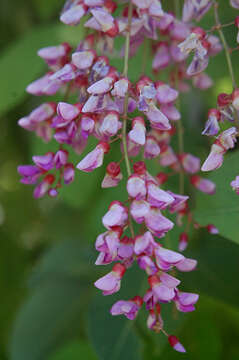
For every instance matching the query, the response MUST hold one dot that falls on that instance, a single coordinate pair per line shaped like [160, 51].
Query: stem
[227, 53]
[126, 101]
[125, 73]
[224, 42]
[179, 122]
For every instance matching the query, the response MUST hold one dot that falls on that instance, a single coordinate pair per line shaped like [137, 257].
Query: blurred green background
[49, 307]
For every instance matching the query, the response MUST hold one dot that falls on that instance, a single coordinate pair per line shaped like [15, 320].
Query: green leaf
[114, 337]
[221, 209]
[71, 258]
[52, 314]
[75, 351]
[20, 65]
[217, 270]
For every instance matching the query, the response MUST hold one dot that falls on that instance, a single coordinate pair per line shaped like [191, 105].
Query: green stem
[124, 130]
[227, 53]
[225, 45]
[125, 73]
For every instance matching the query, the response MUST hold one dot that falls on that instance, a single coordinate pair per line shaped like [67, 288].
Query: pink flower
[186, 265]
[165, 258]
[185, 301]
[157, 197]
[113, 175]
[94, 159]
[117, 215]
[128, 308]
[44, 162]
[42, 188]
[190, 163]
[204, 185]
[235, 184]
[111, 282]
[144, 244]
[157, 223]
[83, 59]
[212, 127]
[147, 264]
[68, 173]
[139, 209]
[136, 187]
[110, 124]
[151, 148]
[161, 291]
[137, 134]
[73, 12]
[183, 241]
[175, 344]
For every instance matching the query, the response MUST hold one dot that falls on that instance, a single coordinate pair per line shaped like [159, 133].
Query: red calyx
[105, 146]
[110, 5]
[158, 308]
[118, 230]
[137, 300]
[138, 119]
[224, 99]
[113, 169]
[153, 280]
[237, 22]
[126, 12]
[162, 178]
[119, 269]
[183, 237]
[214, 112]
[206, 44]
[199, 31]
[139, 167]
[194, 179]
[173, 340]
[114, 30]
[49, 179]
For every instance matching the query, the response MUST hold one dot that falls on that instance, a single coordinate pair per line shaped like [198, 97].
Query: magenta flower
[94, 159]
[137, 134]
[136, 187]
[204, 185]
[165, 258]
[235, 184]
[175, 344]
[113, 175]
[157, 197]
[185, 301]
[128, 308]
[117, 215]
[157, 223]
[110, 283]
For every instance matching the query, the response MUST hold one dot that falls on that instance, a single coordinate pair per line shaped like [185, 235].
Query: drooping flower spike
[140, 118]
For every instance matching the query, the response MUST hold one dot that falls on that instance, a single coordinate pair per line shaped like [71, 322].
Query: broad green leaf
[70, 258]
[52, 314]
[75, 351]
[221, 209]
[20, 65]
[217, 270]
[115, 338]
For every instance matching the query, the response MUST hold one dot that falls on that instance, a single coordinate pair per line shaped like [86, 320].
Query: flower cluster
[142, 118]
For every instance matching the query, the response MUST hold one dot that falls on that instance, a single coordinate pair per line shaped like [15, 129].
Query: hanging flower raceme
[139, 119]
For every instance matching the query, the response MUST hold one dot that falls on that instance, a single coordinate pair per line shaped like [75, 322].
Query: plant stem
[227, 53]
[125, 73]
[224, 42]
[126, 101]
